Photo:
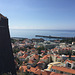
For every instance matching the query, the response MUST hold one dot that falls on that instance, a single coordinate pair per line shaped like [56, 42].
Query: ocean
[30, 33]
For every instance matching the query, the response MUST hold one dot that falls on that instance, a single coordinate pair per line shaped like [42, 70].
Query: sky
[39, 14]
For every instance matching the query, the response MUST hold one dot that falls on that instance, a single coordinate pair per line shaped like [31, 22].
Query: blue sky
[39, 14]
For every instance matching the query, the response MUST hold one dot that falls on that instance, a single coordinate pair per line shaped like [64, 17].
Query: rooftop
[69, 61]
[64, 69]
[53, 73]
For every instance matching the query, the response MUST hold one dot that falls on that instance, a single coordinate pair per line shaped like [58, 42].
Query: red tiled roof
[53, 73]
[46, 73]
[34, 70]
[38, 72]
[33, 49]
[71, 55]
[40, 62]
[38, 67]
[69, 61]
[43, 51]
[58, 57]
[21, 51]
[21, 57]
[23, 68]
[36, 56]
[45, 57]
[31, 61]
[55, 48]
[64, 69]
[24, 56]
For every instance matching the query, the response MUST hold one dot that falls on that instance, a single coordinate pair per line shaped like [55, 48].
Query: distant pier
[54, 37]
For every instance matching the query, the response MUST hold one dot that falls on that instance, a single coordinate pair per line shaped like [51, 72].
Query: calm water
[30, 33]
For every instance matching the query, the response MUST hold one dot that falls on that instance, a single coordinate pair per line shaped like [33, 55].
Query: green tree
[40, 48]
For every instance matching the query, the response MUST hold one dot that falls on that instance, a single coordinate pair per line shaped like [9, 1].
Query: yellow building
[53, 64]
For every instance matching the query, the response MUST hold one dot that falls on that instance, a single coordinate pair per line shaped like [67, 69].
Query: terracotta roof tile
[45, 57]
[69, 61]
[24, 56]
[71, 55]
[53, 73]
[38, 67]
[45, 73]
[23, 68]
[40, 62]
[34, 70]
[38, 71]
[31, 61]
[64, 69]
[36, 56]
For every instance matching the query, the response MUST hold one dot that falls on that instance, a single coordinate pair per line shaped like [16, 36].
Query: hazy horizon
[41, 29]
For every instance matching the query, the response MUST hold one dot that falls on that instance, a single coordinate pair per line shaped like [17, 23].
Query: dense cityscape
[41, 57]
[37, 37]
[23, 56]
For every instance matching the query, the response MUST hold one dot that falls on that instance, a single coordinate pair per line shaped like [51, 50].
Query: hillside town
[42, 57]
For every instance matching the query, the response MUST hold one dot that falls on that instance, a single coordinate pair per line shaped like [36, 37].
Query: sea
[30, 33]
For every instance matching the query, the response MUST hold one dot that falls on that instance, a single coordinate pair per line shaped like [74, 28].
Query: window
[53, 70]
[68, 65]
